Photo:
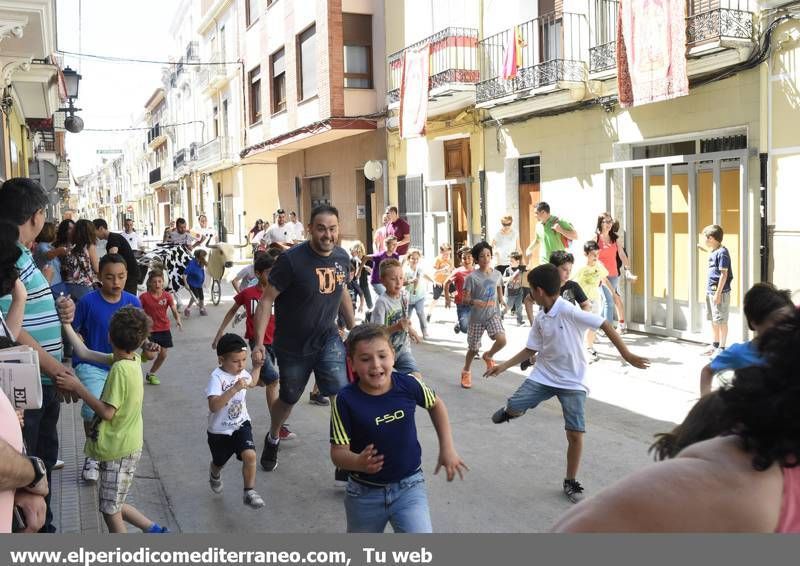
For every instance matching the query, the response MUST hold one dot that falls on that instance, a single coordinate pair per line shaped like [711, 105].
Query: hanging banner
[414, 92]
[651, 51]
[512, 55]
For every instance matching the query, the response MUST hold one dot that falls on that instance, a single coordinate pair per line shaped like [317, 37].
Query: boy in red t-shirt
[248, 298]
[155, 302]
[457, 279]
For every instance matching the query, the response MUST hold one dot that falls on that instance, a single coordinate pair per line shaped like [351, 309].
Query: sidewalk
[74, 502]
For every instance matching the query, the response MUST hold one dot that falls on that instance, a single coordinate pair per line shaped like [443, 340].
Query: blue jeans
[419, 307]
[608, 298]
[41, 438]
[328, 365]
[404, 504]
[462, 313]
[531, 393]
[514, 302]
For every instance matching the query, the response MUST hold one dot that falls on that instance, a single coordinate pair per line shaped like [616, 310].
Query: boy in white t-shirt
[556, 336]
[229, 430]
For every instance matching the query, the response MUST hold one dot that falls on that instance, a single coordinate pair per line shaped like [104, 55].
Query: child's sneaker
[204, 312]
[573, 490]
[593, 357]
[490, 363]
[156, 529]
[253, 499]
[456, 328]
[215, 482]
[525, 365]
[286, 434]
[501, 416]
[466, 379]
[91, 472]
[187, 312]
[152, 379]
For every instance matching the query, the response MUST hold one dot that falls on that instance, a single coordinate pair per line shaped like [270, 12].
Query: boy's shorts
[269, 371]
[162, 338]
[116, 477]
[404, 361]
[224, 446]
[94, 378]
[531, 393]
[197, 292]
[493, 327]
[718, 314]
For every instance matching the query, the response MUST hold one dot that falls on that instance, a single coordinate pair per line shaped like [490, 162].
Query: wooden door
[457, 165]
[528, 199]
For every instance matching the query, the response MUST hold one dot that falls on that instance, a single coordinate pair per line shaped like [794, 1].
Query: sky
[112, 94]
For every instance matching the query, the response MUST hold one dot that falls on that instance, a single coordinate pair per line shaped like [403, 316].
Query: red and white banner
[414, 92]
[651, 51]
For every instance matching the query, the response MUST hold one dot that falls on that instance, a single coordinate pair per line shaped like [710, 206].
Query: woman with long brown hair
[79, 268]
[613, 257]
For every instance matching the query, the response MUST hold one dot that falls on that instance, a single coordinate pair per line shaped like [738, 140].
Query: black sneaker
[525, 365]
[501, 416]
[456, 328]
[573, 490]
[318, 399]
[269, 457]
[593, 357]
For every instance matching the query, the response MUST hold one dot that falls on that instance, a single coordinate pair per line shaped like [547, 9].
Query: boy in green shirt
[116, 435]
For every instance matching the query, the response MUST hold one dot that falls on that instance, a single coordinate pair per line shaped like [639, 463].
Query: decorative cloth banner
[651, 51]
[414, 92]
[512, 56]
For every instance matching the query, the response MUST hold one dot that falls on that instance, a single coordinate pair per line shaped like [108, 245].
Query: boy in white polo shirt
[560, 369]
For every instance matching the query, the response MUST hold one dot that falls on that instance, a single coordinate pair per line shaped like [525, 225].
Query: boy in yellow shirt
[590, 277]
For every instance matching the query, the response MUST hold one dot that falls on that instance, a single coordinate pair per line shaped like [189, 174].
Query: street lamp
[72, 79]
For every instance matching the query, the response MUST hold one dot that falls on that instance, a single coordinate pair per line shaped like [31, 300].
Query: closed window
[307, 63]
[252, 11]
[278, 68]
[319, 191]
[357, 35]
[529, 170]
[254, 80]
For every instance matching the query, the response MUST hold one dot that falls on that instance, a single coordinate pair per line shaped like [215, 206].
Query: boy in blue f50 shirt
[374, 437]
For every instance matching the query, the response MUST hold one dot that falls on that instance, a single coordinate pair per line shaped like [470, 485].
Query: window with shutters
[357, 40]
[307, 63]
[254, 91]
[277, 64]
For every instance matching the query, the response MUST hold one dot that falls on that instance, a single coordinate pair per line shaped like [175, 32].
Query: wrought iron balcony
[453, 60]
[180, 159]
[550, 50]
[154, 134]
[733, 22]
[603, 35]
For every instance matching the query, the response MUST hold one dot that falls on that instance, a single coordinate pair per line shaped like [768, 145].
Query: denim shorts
[328, 365]
[404, 361]
[94, 379]
[403, 504]
[269, 371]
[531, 393]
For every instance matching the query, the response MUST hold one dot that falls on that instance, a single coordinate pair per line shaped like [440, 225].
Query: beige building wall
[260, 199]
[782, 108]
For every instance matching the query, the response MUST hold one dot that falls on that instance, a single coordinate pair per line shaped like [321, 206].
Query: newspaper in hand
[20, 377]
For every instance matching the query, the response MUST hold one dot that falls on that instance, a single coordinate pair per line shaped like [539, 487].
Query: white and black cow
[171, 259]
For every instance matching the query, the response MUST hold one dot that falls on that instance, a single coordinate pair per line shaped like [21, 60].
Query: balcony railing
[453, 60]
[603, 35]
[550, 50]
[179, 159]
[214, 71]
[153, 133]
[715, 20]
[192, 52]
[155, 175]
[217, 150]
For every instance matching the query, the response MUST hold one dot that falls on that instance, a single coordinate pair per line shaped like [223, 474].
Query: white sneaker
[91, 470]
[215, 482]
[253, 499]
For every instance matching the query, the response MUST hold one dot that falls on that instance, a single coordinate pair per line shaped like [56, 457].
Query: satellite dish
[373, 170]
[43, 171]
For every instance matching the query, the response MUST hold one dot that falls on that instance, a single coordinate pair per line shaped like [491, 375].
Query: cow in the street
[171, 259]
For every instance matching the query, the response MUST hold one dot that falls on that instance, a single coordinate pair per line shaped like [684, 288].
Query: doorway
[529, 196]
[457, 167]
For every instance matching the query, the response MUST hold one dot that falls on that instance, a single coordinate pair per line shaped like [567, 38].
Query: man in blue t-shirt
[92, 316]
[307, 287]
[718, 290]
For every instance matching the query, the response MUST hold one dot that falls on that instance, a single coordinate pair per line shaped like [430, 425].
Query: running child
[764, 305]
[556, 338]
[484, 294]
[512, 280]
[229, 430]
[115, 437]
[391, 311]
[442, 267]
[456, 281]
[193, 277]
[718, 289]
[417, 288]
[590, 277]
[156, 302]
[91, 321]
[374, 437]
[248, 298]
[390, 253]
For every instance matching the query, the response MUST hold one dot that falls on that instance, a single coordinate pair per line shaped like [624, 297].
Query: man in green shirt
[550, 232]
